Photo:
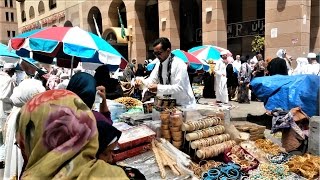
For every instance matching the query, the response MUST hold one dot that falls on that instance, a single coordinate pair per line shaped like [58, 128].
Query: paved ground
[240, 111]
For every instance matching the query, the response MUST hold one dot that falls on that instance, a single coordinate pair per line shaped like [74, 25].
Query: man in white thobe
[237, 64]
[313, 67]
[7, 85]
[221, 79]
[169, 76]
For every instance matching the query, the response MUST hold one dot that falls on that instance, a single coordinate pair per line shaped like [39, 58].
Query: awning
[113, 35]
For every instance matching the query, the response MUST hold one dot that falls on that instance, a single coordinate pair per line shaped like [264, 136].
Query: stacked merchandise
[168, 156]
[133, 141]
[254, 130]
[171, 127]
[207, 137]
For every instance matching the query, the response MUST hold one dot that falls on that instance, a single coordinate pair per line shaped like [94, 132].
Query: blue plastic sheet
[287, 92]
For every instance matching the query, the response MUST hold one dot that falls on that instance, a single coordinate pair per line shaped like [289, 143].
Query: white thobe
[221, 81]
[180, 88]
[6, 88]
[237, 65]
[313, 68]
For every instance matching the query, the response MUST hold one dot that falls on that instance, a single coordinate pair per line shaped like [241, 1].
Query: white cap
[224, 52]
[312, 55]
[8, 66]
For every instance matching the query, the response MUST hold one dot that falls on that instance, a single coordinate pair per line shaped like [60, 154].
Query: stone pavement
[240, 111]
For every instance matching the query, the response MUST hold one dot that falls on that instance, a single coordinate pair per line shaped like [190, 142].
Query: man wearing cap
[7, 85]
[221, 78]
[313, 67]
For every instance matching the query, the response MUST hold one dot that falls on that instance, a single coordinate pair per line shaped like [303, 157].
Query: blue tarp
[287, 92]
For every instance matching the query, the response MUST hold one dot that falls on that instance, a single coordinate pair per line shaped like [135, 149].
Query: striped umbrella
[66, 43]
[208, 52]
[192, 61]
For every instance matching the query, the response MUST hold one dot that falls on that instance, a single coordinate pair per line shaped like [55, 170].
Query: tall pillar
[214, 22]
[315, 26]
[169, 19]
[289, 22]
[136, 30]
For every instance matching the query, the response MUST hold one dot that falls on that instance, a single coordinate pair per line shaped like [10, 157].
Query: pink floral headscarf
[58, 138]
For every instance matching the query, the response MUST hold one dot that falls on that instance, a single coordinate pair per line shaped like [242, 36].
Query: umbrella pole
[71, 66]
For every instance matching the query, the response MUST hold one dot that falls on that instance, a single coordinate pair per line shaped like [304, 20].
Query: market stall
[201, 143]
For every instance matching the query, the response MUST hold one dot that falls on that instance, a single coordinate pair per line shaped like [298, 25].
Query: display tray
[135, 136]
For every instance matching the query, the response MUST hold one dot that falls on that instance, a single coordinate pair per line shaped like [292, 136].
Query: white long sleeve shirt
[180, 88]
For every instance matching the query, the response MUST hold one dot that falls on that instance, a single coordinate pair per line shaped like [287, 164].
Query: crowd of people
[52, 130]
[232, 77]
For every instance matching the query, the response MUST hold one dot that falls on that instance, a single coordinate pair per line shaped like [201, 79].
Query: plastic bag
[116, 109]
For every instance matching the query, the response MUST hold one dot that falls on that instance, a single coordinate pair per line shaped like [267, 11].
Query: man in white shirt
[313, 67]
[169, 76]
[237, 63]
[221, 78]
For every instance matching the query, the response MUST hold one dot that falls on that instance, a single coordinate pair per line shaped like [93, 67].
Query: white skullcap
[8, 66]
[224, 52]
[312, 55]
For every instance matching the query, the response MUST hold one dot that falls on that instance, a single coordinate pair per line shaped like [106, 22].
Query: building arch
[94, 12]
[23, 16]
[68, 24]
[31, 12]
[113, 13]
[152, 25]
[52, 4]
[191, 22]
[41, 8]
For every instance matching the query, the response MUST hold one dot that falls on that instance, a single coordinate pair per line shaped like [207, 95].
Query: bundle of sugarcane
[167, 155]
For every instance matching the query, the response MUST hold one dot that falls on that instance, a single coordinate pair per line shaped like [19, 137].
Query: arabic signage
[247, 28]
[45, 21]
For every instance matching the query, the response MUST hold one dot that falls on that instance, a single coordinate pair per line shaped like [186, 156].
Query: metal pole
[71, 66]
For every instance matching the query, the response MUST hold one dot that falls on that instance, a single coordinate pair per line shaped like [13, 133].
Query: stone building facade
[8, 20]
[292, 25]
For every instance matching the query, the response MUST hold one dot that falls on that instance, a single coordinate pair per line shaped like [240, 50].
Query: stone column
[214, 22]
[315, 26]
[169, 21]
[136, 29]
[291, 20]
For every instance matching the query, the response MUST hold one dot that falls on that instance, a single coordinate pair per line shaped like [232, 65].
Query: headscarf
[102, 75]
[25, 91]
[301, 65]
[84, 85]
[58, 137]
[107, 135]
[281, 53]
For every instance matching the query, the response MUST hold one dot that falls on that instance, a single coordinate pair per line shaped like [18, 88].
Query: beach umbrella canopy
[192, 61]
[8, 56]
[208, 52]
[65, 44]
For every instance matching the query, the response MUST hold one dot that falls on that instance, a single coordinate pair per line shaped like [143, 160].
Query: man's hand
[153, 88]
[102, 92]
[138, 83]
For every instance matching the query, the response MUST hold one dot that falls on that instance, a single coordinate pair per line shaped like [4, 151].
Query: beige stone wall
[315, 26]
[292, 19]
[7, 25]
[169, 13]
[214, 22]
[61, 7]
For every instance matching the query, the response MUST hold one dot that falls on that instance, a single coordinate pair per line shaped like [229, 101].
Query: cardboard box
[135, 136]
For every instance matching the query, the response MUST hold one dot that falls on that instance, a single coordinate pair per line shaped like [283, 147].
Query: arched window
[52, 4]
[23, 16]
[41, 7]
[31, 12]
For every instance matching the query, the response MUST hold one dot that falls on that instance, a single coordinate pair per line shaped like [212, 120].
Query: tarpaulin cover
[287, 92]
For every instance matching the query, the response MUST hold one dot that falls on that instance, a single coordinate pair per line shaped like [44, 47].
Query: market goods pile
[129, 102]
